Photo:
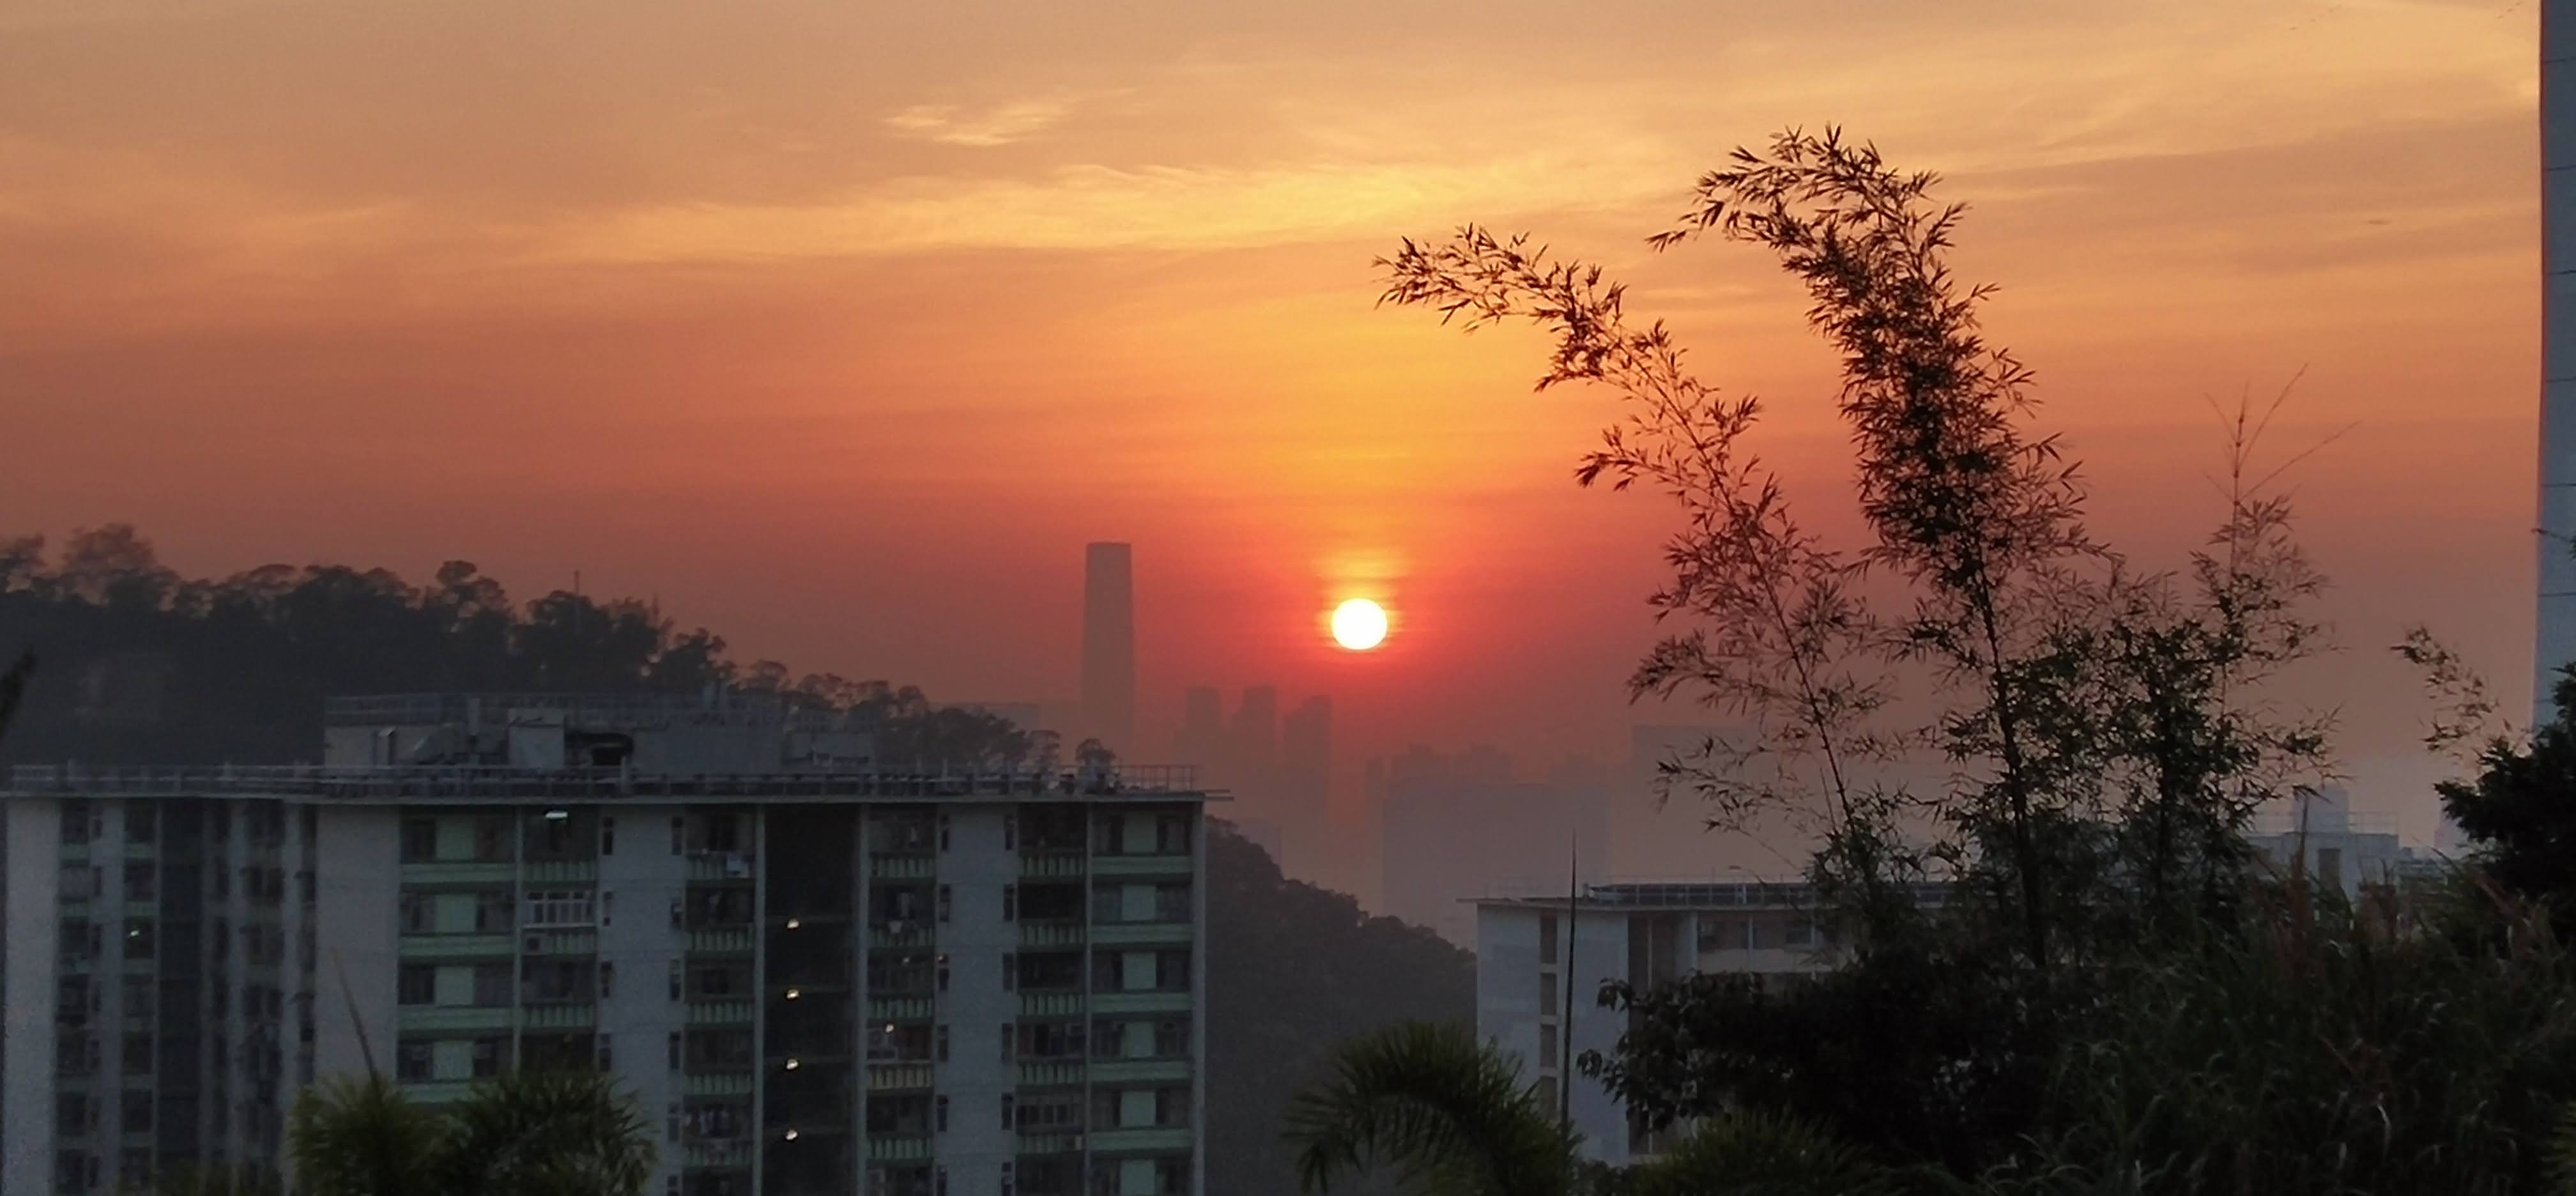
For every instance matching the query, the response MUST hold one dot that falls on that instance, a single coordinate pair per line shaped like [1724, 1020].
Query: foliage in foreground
[524, 1134]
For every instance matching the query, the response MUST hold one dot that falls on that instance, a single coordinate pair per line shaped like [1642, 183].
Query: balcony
[1051, 933]
[720, 942]
[897, 1077]
[458, 873]
[901, 866]
[434, 1018]
[1050, 1004]
[702, 1155]
[1051, 1073]
[899, 1150]
[724, 1084]
[1050, 1143]
[1140, 1071]
[563, 872]
[1144, 1002]
[719, 1013]
[902, 1009]
[560, 1017]
[422, 948]
[1155, 1138]
[1043, 865]
[438, 1092]
[904, 934]
[719, 866]
[560, 942]
[1144, 865]
[1141, 934]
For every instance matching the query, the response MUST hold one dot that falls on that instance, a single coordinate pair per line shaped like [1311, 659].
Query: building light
[791, 1135]
[793, 923]
[793, 1065]
[794, 993]
[558, 815]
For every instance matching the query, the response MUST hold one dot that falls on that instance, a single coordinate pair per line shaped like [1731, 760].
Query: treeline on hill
[2115, 994]
[143, 666]
[139, 665]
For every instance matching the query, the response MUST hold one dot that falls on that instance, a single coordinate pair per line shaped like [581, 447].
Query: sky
[840, 328]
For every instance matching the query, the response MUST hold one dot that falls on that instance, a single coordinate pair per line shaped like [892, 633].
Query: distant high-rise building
[1201, 739]
[1460, 828]
[1254, 747]
[1305, 783]
[1109, 646]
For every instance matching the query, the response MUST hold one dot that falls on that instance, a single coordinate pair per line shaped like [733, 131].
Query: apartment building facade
[1541, 962]
[815, 977]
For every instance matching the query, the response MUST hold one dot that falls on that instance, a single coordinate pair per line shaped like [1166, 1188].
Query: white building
[1644, 934]
[814, 976]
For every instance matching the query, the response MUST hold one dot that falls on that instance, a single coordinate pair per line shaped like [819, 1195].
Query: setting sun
[1359, 624]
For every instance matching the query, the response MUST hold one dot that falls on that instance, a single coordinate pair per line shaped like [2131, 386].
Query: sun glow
[1359, 624]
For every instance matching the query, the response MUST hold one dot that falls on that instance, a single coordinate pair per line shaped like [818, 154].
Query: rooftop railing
[508, 784]
[425, 709]
[1696, 895]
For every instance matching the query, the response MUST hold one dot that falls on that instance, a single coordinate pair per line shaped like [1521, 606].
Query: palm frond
[1448, 1113]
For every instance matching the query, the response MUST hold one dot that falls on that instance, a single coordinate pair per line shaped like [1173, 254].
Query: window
[419, 914]
[939, 1114]
[487, 1058]
[138, 996]
[559, 907]
[1010, 971]
[676, 981]
[419, 840]
[1547, 937]
[607, 836]
[142, 824]
[1799, 932]
[491, 985]
[138, 938]
[679, 834]
[1172, 1038]
[76, 822]
[139, 881]
[412, 1062]
[675, 1051]
[940, 1041]
[135, 1114]
[943, 832]
[943, 973]
[492, 840]
[1007, 1044]
[944, 903]
[1547, 1046]
[607, 978]
[1722, 934]
[71, 1114]
[1010, 832]
[1007, 1101]
[1547, 994]
[75, 1171]
[605, 1064]
[1010, 903]
[138, 1054]
[79, 884]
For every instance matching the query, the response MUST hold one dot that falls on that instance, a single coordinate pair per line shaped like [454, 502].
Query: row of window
[143, 883]
[917, 1114]
[486, 838]
[263, 823]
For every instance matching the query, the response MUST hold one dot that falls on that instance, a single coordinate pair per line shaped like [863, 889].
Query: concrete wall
[356, 917]
[977, 1007]
[29, 872]
[2557, 640]
[638, 1014]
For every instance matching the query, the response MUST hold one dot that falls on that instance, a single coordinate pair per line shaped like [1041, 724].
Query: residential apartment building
[814, 976]
[1541, 962]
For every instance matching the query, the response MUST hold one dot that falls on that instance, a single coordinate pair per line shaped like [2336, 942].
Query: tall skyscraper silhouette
[2557, 641]
[1109, 646]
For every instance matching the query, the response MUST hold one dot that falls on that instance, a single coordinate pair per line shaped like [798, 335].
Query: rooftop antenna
[1565, 1048]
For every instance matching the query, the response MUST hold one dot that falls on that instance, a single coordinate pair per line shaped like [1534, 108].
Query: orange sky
[841, 326]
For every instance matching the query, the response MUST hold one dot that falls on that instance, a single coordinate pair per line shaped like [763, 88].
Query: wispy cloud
[999, 124]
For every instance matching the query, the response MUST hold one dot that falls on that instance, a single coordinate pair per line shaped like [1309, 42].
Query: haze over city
[842, 330]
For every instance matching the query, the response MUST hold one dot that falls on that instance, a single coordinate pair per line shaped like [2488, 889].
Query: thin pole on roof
[1565, 1048]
